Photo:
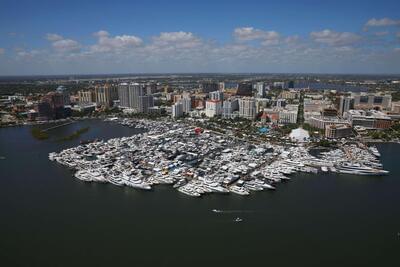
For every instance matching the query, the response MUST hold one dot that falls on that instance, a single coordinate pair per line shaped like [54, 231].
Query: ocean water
[49, 218]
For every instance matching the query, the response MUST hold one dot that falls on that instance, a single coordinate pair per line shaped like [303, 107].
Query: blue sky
[73, 37]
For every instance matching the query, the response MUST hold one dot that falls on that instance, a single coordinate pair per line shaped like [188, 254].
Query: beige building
[335, 131]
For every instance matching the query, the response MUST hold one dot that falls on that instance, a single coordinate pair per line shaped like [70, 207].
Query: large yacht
[358, 169]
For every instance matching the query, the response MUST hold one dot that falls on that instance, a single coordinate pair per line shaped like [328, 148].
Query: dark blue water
[48, 218]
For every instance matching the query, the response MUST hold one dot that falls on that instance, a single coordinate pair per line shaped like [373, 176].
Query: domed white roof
[299, 135]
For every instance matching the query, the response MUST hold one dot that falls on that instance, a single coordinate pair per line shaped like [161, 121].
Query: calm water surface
[49, 218]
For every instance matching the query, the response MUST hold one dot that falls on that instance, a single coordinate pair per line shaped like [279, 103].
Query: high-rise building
[222, 86]
[51, 106]
[135, 91]
[105, 95]
[260, 87]
[208, 87]
[151, 88]
[177, 110]
[247, 108]
[123, 95]
[217, 95]
[229, 107]
[245, 89]
[346, 103]
[213, 108]
[65, 93]
[86, 97]
[145, 103]
[186, 104]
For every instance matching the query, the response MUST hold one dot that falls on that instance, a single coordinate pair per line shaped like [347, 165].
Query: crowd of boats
[199, 163]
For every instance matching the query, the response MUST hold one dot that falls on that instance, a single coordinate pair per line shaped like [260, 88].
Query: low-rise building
[287, 116]
[321, 122]
[371, 119]
[335, 131]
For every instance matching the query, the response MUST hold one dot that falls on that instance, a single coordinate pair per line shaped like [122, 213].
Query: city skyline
[44, 38]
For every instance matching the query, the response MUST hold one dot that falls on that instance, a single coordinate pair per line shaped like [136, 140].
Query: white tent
[299, 135]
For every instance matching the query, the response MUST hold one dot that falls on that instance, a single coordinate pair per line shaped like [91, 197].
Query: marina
[198, 163]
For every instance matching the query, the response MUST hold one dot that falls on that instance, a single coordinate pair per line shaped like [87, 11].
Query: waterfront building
[51, 106]
[136, 90]
[229, 107]
[338, 131]
[86, 97]
[247, 108]
[123, 95]
[65, 93]
[213, 108]
[105, 95]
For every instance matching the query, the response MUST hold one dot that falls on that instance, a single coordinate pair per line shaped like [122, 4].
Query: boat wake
[232, 211]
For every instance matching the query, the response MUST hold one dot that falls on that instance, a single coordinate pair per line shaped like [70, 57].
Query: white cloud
[114, 44]
[66, 45]
[2, 51]
[250, 34]
[184, 40]
[53, 37]
[382, 22]
[335, 38]
[292, 39]
[23, 54]
[62, 45]
[384, 33]
[185, 51]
